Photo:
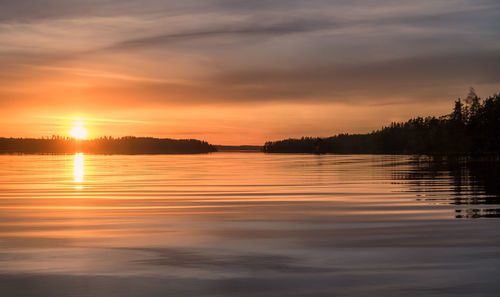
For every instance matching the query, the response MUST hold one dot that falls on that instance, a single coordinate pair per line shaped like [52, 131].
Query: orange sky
[234, 73]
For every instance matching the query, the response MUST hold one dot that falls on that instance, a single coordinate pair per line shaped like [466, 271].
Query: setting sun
[78, 132]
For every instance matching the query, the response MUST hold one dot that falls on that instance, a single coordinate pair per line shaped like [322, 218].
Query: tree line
[473, 126]
[105, 145]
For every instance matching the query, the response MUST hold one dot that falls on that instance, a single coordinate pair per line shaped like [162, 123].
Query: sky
[239, 72]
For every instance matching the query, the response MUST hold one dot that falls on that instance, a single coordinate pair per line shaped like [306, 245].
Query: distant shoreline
[240, 148]
[105, 146]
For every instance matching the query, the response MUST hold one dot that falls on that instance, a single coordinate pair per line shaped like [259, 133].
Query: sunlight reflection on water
[79, 169]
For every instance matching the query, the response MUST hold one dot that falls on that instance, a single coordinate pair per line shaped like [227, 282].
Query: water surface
[247, 224]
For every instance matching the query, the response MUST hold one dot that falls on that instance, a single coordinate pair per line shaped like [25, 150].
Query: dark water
[248, 224]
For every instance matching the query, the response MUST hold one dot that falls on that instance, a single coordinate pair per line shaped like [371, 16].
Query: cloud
[257, 29]
[401, 80]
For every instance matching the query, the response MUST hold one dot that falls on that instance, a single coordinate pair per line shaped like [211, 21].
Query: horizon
[78, 130]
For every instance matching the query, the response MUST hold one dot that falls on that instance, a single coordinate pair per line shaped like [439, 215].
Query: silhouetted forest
[472, 127]
[105, 145]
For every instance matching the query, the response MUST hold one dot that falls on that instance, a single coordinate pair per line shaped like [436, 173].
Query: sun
[78, 132]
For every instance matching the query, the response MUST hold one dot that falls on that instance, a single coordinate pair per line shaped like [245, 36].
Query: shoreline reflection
[468, 183]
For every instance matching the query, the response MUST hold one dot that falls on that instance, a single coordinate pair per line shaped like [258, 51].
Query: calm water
[247, 224]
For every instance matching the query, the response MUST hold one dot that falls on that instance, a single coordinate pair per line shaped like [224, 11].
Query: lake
[248, 224]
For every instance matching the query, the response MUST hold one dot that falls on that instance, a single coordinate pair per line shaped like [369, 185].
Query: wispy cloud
[260, 29]
[91, 120]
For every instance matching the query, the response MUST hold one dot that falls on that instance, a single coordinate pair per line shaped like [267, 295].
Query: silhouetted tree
[473, 104]
[457, 114]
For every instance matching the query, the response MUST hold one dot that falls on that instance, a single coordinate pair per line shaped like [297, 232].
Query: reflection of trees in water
[474, 213]
[475, 181]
